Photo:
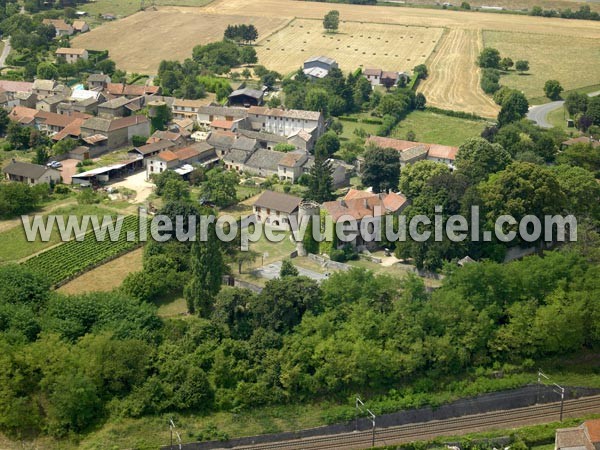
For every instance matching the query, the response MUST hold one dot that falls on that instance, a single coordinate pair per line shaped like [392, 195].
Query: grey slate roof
[27, 170]
[236, 156]
[244, 143]
[154, 147]
[279, 202]
[97, 123]
[223, 111]
[323, 59]
[220, 140]
[262, 136]
[254, 93]
[265, 159]
[99, 78]
[115, 103]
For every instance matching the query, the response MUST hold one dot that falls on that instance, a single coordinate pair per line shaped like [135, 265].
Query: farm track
[449, 83]
[450, 427]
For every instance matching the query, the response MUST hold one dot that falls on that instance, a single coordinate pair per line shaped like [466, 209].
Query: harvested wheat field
[356, 44]
[172, 32]
[107, 276]
[573, 62]
[449, 83]
[140, 42]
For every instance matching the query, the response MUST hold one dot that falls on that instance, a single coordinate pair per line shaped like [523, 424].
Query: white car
[54, 164]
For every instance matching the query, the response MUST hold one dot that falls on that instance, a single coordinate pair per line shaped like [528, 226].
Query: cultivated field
[356, 44]
[140, 42]
[454, 78]
[575, 62]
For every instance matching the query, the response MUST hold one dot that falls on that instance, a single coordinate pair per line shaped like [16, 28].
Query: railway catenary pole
[539, 384]
[359, 407]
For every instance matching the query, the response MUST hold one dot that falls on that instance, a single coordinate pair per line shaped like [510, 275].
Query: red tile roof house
[411, 152]
[584, 437]
[72, 55]
[62, 28]
[358, 205]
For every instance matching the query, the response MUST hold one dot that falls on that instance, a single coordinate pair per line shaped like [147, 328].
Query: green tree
[248, 55]
[176, 190]
[552, 89]
[514, 108]
[489, 58]
[506, 63]
[4, 121]
[220, 187]
[288, 269]
[160, 116]
[331, 21]
[476, 159]
[320, 179]
[581, 189]
[206, 271]
[576, 102]
[327, 144]
[414, 177]
[284, 147]
[522, 66]
[420, 71]
[381, 169]
[47, 71]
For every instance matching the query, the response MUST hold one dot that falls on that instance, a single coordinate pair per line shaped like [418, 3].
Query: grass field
[107, 276]
[438, 128]
[356, 44]
[573, 62]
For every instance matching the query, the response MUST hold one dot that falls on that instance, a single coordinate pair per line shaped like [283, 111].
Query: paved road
[539, 113]
[5, 52]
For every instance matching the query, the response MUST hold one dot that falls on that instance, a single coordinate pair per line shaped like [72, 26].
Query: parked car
[54, 164]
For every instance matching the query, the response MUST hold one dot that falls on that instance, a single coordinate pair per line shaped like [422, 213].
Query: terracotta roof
[581, 140]
[372, 72]
[95, 139]
[442, 151]
[125, 122]
[59, 24]
[593, 430]
[187, 103]
[16, 86]
[73, 129]
[396, 144]
[277, 201]
[70, 51]
[168, 156]
[292, 159]
[389, 74]
[131, 89]
[368, 204]
[186, 153]
[160, 135]
[357, 193]
[226, 124]
[79, 24]
[60, 120]
[22, 114]
[44, 85]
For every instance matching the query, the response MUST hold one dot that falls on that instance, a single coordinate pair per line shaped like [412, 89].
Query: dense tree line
[241, 33]
[583, 13]
[70, 361]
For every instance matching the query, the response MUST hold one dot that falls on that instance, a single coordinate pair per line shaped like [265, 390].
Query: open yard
[122, 8]
[356, 44]
[575, 62]
[438, 128]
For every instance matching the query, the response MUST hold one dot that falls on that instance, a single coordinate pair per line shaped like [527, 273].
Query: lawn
[14, 245]
[573, 61]
[438, 128]
[350, 127]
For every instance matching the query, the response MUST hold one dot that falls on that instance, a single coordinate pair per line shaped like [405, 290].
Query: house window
[268, 210]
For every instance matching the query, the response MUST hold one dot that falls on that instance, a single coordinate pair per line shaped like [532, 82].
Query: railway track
[406, 433]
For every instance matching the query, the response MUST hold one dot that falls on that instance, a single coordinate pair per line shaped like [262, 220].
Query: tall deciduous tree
[331, 21]
[382, 169]
[477, 159]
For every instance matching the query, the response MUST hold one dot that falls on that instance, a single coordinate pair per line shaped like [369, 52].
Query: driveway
[5, 52]
[68, 169]
[271, 271]
[138, 183]
[540, 113]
